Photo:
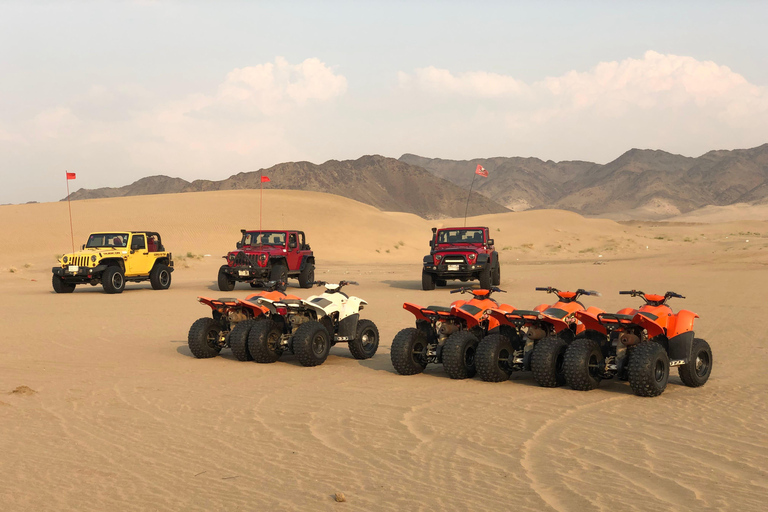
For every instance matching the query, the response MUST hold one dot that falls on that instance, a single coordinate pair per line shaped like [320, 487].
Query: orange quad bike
[447, 335]
[533, 340]
[231, 322]
[638, 345]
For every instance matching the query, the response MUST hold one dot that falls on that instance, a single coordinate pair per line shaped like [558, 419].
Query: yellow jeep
[114, 257]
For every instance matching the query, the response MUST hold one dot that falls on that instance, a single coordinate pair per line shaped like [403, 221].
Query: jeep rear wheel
[311, 343]
[427, 281]
[696, 372]
[264, 341]
[307, 276]
[160, 277]
[226, 283]
[409, 351]
[113, 280]
[459, 355]
[203, 338]
[366, 340]
[279, 273]
[59, 286]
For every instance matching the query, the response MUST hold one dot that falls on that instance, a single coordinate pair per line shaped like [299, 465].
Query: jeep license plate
[244, 273]
[73, 268]
[453, 267]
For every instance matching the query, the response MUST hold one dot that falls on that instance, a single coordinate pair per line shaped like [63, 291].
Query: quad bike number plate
[243, 272]
[453, 267]
[73, 268]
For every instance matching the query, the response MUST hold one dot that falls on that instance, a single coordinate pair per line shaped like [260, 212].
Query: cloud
[476, 83]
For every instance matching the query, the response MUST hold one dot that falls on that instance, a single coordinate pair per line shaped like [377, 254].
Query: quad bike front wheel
[459, 353]
[493, 358]
[366, 340]
[697, 371]
[648, 369]
[583, 364]
[264, 341]
[238, 340]
[311, 343]
[409, 351]
[203, 338]
[547, 362]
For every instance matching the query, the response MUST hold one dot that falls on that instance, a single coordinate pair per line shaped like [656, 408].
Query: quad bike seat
[439, 309]
[616, 316]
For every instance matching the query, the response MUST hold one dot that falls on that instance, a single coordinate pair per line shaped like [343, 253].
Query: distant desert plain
[103, 407]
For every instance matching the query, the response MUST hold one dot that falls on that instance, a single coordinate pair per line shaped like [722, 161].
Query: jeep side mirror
[431, 243]
[239, 245]
[490, 241]
[82, 247]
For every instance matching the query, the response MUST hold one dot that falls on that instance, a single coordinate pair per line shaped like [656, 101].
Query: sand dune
[118, 415]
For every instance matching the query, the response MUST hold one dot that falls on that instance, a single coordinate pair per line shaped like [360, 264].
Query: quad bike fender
[471, 320]
[681, 323]
[541, 307]
[348, 326]
[590, 321]
[556, 323]
[415, 310]
[498, 317]
[649, 325]
[351, 307]
[680, 346]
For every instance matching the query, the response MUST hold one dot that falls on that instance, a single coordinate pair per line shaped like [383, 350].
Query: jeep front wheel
[226, 284]
[485, 278]
[427, 281]
[113, 280]
[59, 286]
[279, 273]
[307, 276]
[496, 277]
[160, 277]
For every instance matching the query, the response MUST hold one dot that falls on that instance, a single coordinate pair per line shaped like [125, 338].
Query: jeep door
[292, 255]
[139, 261]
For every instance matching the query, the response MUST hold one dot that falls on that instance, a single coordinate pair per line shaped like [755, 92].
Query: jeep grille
[242, 259]
[80, 261]
[454, 259]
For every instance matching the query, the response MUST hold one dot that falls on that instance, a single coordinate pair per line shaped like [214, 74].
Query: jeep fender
[274, 260]
[482, 259]
[590, 321]
[112, 262]
[681, 323]
[306, 260]
[163, 261]
[429, 259]
[680, 346]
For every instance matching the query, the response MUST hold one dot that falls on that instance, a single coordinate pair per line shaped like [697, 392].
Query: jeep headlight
[93, 259]
[64, 259]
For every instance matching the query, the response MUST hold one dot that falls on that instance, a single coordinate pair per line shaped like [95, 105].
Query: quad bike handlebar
[652, 299]
[469, 289]
[579, 292]
[341, 284]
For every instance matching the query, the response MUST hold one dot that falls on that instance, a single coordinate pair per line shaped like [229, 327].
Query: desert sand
[103, 407]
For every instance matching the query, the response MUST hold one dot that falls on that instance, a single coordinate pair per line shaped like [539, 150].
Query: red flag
[481, 171]
[71, 176]
[265, 179]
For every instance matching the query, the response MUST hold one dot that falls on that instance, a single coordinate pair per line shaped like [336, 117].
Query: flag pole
[261, 194]
[69, 205]
[468, 196]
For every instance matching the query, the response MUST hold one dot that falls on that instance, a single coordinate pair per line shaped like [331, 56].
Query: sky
[119, 90]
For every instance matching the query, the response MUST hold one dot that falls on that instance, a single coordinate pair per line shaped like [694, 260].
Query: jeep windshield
[98, 240]
[460, 236]
[264, 238]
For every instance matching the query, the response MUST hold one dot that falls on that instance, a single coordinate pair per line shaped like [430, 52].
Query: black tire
[203, 338]
[113, 280]
[311, 343]
[408, 351]
[226, 283]
[60, 286]
[254, 285]
[238, 340]
[441, 282]
[696, 373]
[583, 364]
[648, 369]
[492, 358]
[547, 362]
[496, 276]
[307, 276]
[264, 341]
[279, 273]
[160, 277]
[459, 353]
[427, 281]
[485, 278]
[366, 340]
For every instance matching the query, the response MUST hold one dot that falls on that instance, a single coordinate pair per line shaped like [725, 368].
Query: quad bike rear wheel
[409, 351]
[60, 286]
[648, 369]
[264, 341]
[366, 340]
[311, 343]
[160, 277]
[697, 371]
[547, 362]
[226, 284]
[427, 281]
[493, 358]
[459, 353]
[113, 280]
[583, 364]
[307, 276]
[238, 340]
[203, 338]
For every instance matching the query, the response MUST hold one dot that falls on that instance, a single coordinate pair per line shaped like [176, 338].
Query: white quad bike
[310, 327]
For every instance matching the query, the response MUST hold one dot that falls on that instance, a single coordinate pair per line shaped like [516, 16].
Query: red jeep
[268, 256]
[461, 253]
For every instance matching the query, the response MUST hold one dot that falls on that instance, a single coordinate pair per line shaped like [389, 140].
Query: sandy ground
[103, 407]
